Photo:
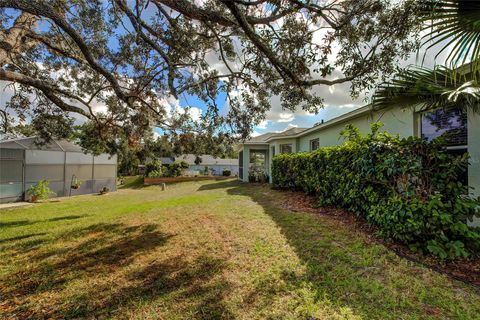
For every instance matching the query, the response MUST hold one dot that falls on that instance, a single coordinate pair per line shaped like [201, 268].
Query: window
[448, 125]
[314, 144]
[286, 148]
[273, 151]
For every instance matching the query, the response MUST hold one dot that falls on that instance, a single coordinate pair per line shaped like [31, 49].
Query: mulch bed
[466, 270]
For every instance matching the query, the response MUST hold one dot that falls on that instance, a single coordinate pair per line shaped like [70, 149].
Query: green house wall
[395, 122]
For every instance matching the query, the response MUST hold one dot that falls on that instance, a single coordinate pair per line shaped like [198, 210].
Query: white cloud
[169, 102]
[194, 112]
[286, 117]
[263, 124]
[255, 133]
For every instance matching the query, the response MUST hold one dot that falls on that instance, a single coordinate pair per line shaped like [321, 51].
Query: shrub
[156, 174]
[104, 190]
[177, 169]
[409, 188]
[226, 172]
[40, 191]
[155, 165]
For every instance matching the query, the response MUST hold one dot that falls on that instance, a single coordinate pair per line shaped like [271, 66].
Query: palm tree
[450, 24]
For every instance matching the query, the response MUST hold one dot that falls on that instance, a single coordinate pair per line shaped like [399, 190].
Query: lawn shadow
[109, 270]
[22, 237]
[132, 183]
[16, 223]
[21, 223]
[227, 184]
[77, 255]
[70, 217]
[334, 269]
[198, 281]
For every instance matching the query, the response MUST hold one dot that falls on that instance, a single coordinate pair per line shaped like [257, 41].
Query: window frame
[317, 140]
[421, 116]
[450, 148]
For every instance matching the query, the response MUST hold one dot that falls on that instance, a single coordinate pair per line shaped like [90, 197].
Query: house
[214, 165]
[461, 128]
[24, 162]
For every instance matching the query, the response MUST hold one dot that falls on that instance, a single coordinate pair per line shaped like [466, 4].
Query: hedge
[409, 188]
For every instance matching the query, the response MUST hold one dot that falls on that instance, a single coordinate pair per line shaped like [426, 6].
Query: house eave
[349, 115]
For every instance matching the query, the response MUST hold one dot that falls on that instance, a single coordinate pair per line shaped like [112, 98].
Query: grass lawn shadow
[22, 237]
[70, 217]
[133, 182]
[346, 271]
[75, 256]
[17, 223]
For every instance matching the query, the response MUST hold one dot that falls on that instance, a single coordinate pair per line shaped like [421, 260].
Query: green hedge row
[410, 189]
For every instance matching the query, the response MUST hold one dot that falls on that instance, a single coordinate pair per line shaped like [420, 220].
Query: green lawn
[208, 250]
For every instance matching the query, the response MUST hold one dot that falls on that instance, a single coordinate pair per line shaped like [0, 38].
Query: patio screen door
[240, 165]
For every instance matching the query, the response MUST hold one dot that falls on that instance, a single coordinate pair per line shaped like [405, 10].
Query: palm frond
[453, 23]
[429, 89]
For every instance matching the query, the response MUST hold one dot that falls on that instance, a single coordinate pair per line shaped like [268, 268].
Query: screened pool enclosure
[23, 163]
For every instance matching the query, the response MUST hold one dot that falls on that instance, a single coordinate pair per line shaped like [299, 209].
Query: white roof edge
[259, 142]
[17, 139]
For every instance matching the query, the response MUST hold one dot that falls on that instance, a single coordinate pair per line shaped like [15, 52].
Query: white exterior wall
[105, 159]
[44, 157]
[217, 167]
[474, 152]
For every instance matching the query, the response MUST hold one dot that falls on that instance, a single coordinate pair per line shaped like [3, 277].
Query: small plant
[104, 190]
[76, 183]
[226, 172]
[40, 191]
[205, 171]
[257, 174]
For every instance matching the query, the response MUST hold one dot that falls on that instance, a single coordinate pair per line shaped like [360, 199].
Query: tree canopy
[68, 57]
[451, 26]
